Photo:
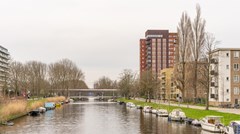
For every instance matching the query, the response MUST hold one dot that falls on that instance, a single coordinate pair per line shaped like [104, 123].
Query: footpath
[223, 110]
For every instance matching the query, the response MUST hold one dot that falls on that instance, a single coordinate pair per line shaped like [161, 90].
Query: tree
[149, 84]
[105, 83]
[197, 44]
[37, 72]
[182, 52]
[127, 83]
[210, 45]
[15, 75]
[63, 75]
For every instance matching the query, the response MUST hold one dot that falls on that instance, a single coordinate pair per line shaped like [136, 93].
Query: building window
[227, 54]
[227, 99]
[236, 78]
[227, 90]
[227, 78]
[235, 67]
[227, 66]
[236, 54]
[236, 91]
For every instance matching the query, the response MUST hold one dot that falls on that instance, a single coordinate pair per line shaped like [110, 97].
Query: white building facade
[4, 67]
[225, 84]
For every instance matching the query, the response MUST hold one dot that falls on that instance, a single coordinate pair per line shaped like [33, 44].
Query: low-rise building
[225, 77]
[168, 90]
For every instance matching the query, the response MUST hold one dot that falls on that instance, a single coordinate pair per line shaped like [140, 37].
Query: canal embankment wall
[13, 109]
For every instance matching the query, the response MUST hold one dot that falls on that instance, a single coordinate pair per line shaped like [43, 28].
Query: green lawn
[190, 113]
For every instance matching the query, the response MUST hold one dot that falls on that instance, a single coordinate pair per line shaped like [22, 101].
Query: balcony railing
[214, 61]
[214, 84]
[214, 96]
[213, 72]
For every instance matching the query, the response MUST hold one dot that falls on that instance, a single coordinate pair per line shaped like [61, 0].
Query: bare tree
[182, 52]
[63, 75]
[197, 44]
[210, 45]
[104, 83]
[126, 82]
[149, 84]
[37, 72]
[15, 76]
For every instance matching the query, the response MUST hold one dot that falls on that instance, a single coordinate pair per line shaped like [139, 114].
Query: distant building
[157, 50]
[168, 90]
[4, 67]
[225, 77]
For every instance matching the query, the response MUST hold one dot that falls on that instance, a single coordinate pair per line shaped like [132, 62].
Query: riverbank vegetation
[16, 108]
[190, 112]
[38, 79]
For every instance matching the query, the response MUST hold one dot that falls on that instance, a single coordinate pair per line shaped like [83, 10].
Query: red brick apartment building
[157, 50]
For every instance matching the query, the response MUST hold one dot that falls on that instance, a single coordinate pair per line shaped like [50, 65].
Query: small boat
[154, 111]
[233, 128]
[42, 109]
[34, 112]
[212, 124]
[188, 121]
[147, 109]
[50, 105]
[66, 101]
[177, 115]
[71, 100]
[196, 123]
[131, 105]
[139, 107]
[111, 100]
[58, 104]
[120, 102]
[162, 113]
[8, 123]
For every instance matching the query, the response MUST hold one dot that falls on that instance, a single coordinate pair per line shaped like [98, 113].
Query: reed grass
[17, 108]
[12, 108]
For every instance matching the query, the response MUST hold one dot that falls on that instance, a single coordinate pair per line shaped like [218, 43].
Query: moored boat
[147, 109]
[49, 105]
[71, 100]
[233, 128]
[212, 124]
[130, 105]
[162, 113]
[196, 123]
[34, 112]
[177, 115]
[8, 123]
[139, 107]
[58, 104]
[42, 109]
[154, 111]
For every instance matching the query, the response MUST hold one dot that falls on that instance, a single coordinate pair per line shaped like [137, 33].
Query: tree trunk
[207, 95]
[195, 80]
[183, 83]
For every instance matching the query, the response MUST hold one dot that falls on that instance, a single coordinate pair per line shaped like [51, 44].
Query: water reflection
[96, 118]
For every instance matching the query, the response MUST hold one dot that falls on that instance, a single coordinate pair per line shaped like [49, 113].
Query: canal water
[96, 118]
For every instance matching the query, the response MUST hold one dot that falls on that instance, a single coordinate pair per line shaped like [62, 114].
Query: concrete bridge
[93, 93]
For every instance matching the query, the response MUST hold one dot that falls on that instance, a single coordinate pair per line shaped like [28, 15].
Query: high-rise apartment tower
[157, 50]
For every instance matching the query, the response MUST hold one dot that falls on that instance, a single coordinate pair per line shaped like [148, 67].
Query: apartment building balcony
[214, 96]
[214, 61]
[214, 84]
[213, 72]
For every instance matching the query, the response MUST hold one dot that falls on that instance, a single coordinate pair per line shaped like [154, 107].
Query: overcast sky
[102, 36]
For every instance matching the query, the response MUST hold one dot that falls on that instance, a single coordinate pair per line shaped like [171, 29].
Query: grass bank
[17, 108]
[190, 112]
